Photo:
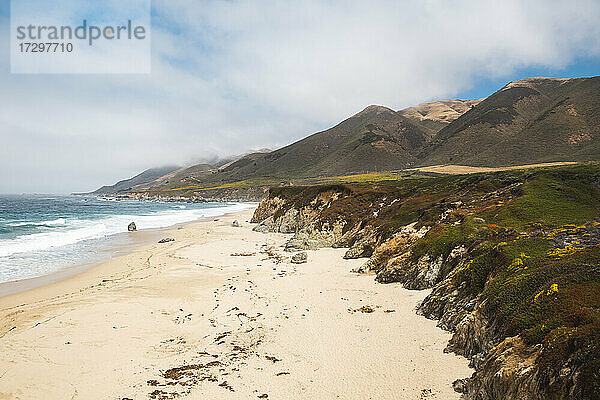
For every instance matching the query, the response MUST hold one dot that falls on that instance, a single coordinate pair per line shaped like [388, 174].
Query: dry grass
[466, 169]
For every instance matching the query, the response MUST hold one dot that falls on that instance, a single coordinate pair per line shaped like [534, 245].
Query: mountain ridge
[529, 121]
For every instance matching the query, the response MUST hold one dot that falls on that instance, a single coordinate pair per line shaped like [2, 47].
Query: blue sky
[577, 68]
[231, 77]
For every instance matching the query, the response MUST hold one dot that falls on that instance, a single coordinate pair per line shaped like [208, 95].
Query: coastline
[125, 243]
[136, 239]
[222, 313]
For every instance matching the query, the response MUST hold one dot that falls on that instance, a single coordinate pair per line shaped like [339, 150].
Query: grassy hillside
[137, 181]
[376, 139]
[527, 121]
[535, 120]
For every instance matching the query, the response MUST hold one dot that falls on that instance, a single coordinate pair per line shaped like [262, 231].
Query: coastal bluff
[513, 264]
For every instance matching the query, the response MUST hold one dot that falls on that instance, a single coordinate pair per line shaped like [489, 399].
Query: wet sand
[124, 243]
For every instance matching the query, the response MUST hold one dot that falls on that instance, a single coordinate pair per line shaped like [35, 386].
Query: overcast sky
[229, 77]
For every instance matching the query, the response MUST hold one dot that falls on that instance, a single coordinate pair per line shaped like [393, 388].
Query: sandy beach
[221, 313]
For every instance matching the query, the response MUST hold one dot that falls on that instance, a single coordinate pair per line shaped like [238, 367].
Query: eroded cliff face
[494, 286]
[310, 230]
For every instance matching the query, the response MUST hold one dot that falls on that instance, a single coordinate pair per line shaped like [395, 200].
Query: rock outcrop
[299, 258]
[310, 232]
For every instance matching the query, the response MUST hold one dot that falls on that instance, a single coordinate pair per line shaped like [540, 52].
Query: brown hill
[535, 120]
[435, 115]
[375, 139]
[528, 121]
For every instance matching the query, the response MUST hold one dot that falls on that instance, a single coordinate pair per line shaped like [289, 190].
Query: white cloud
[231, 76]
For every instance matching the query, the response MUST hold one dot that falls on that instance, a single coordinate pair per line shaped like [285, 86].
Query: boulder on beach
[299, 258]
[131, 227]
[235, 223]
[166, 240]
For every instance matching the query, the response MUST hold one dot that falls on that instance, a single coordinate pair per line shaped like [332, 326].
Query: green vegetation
[442, 238]
[548, 300]
[549, 293]
[555, 197]
[246, 183]
[512, 200]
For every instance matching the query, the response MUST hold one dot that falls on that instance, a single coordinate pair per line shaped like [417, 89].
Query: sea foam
[29, 254]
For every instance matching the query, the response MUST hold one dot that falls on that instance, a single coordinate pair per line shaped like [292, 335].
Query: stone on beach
[166, 240]
[131, 227]
[235, 223]
[299, 258]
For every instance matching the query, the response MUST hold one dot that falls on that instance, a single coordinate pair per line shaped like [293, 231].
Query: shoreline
[66, 272]
[222, 313]
[122, 247]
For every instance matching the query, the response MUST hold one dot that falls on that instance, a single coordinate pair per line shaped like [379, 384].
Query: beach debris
[221, 336]
[271, 253]
[362, 269]
[185, 371]
[226, 385]
[131, 227]
[271, 358]
[282, 373]
[242, 254]
[235, 346]
[166, 240]
[263, 396]
[389, 311]
[162, 395]
[365, 309]
[299, 258]
[180, 319]
[235, 223]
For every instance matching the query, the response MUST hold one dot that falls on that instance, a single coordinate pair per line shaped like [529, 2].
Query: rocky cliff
[513, 259]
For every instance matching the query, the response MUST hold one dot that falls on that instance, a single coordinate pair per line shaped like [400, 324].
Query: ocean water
[41, 234]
